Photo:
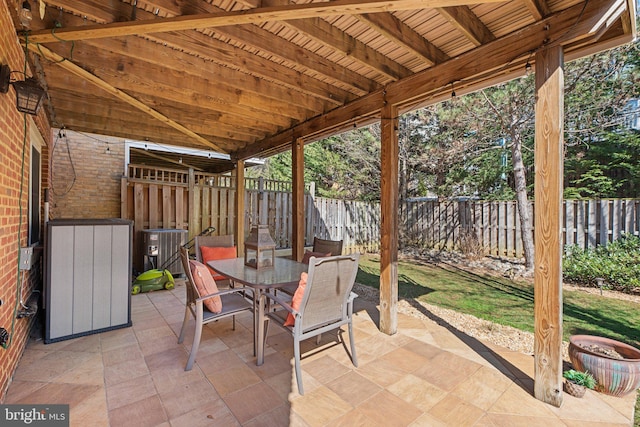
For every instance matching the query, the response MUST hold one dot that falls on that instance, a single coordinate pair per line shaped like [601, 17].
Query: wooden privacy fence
[496, 225]
[177, 199]
[184, 200]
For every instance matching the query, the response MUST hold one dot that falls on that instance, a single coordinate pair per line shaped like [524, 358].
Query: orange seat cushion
[297, 299]
[211, 253]
[206, 285]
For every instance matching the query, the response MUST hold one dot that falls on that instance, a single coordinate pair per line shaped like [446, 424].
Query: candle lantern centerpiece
[259, 248]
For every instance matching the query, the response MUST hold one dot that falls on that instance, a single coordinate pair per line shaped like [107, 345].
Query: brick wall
[14, 226]
[85, 175]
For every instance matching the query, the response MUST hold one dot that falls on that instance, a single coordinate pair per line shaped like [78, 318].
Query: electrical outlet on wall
[26, 258]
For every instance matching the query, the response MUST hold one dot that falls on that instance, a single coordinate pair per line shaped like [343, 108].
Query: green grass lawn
[506, 302]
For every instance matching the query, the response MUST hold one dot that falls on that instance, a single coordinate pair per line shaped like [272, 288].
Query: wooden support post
[548, 225]
[297, 235]
[238, 226]
[193, 215]
[389, 221]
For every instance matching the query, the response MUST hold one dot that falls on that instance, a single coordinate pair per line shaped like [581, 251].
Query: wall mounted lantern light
[25, 14]
[29, 94]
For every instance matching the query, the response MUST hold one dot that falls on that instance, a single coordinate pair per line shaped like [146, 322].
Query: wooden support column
[297, 234]
[389, 220]
[194, 229]
[549, 162]
[238, 226]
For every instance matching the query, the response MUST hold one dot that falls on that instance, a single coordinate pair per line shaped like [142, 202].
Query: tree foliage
[465, 146]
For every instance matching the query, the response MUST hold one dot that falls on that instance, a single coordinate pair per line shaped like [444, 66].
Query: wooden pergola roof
[247, 77]
[251, 78]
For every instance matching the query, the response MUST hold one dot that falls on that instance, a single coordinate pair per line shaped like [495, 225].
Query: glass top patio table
[284, 273]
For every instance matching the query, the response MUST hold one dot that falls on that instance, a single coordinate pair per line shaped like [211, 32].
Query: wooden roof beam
[326, 33]
[189, 66]
[214, 126]
[263, 40]
[468, 23]
[395, 30]
[538, 8]
[198, 42]
[117, 93]
[250, 16]
[563, 25]
[182, 86]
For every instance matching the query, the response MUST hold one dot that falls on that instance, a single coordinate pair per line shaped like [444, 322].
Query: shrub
[470, 246]
[618, 264]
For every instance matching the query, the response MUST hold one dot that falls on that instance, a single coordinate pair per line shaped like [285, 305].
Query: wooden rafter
[392, 28]
[421, 86]
[251, 16]
[469, 24]
[326, 33]
[538, 8]
[85, 75]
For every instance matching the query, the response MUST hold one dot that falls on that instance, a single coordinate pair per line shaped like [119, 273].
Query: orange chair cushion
[308, 254]
[297, 299]
[211, 253]
[206, 285]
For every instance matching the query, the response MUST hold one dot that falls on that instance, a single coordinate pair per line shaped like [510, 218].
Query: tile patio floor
[425, 375]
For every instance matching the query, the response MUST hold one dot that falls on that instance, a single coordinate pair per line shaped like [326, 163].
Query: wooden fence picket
[178, 199]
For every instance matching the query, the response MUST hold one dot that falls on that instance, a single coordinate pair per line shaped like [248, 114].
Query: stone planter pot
[574, 389]
[616, 377]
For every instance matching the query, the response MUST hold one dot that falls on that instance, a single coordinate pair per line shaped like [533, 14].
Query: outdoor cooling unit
[161, 249]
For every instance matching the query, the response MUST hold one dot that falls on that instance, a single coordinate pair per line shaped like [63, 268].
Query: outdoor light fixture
[29, 94]
[25, 14]
[527, 69]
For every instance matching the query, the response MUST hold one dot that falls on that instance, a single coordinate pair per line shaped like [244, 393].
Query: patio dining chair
[206, 303]
[334, 247]
[323, 302]
[215, 247]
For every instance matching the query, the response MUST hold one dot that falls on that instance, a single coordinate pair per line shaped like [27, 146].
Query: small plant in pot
[577, 382]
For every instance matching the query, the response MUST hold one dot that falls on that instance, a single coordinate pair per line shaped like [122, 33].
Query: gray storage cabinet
[88, 287]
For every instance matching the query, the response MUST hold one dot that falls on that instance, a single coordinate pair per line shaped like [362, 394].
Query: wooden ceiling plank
[262, 40]
[242, 60]
[274, 45]
[137, 131]
[270, 43]
[394, 29]
[327, 34]
[163, 86]
[564, 24]
[538, 8]
[116, 114]
[249, 16]
[180, 85]
[137, 49]
[231, 57]
[85, 75]
[468, 23]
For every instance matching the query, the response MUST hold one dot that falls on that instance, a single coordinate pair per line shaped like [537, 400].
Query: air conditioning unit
[161, 249]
